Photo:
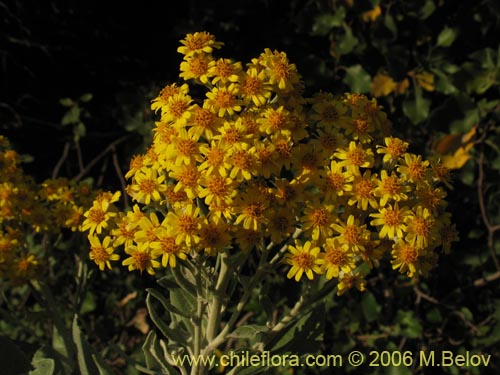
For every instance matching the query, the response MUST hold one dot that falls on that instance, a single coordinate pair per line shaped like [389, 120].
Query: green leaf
[446, 37]
[428, 8]
[347, 42]
[390, 24]
[417, 110]
[87, 97]
[324, 23]
[167, 305]
[248, 331]
[434, 315]
[79, 131]
[43, 366]
[89, 303]
[66, 102]
[175, 334]
[371, 309]
[357, 79]
[84, 351]
[155, 358]
[71, 116]
[410, 326]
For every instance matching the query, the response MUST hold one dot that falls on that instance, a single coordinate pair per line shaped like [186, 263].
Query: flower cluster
[241, 160]
[28, 209]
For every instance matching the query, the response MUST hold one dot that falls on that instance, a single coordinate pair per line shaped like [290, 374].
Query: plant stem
[220, 291]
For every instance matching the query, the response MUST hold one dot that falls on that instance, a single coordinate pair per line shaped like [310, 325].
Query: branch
[103, 153]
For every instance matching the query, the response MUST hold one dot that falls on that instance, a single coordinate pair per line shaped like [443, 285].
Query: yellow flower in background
[394, 148]
[355, 157]
[425, 80]
[382, 85]
[304, 259]
[371, 15]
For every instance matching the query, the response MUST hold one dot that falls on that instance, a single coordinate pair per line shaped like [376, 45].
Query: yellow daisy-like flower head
[196, 67]
[198, 42]
[355, 157]
[223, 100]
[224, 71]
[185, 223]
[147, 185]
[405, 257]
[140, 258]
[394, 148]
[102, 253]
[391, 187]
[304, 259]
[336, 258]
[392, 220]
[254, 88]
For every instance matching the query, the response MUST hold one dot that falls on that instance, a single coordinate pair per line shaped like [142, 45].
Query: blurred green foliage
[433, 64]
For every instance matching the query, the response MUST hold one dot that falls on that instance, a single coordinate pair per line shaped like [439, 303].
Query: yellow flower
[223, 99]
[253, 87]
[196, 67]
[349, 280]
[390, 188]
[146, 231]
[125, 231]
[177, 110]
[317, 221]
[394, 148]
[329, 112]
[241, 158]
[215, 160]
[147, 185]
[303, 259]
[185, 223]
[250, 210]
[336, 258]
[204, 123]
[183, 149]
[224, 71]
[392, 219]
[362, 191]
[414, 168]
[405, 257]
[421, 227]
[102, 253]
[164, 245]
[335, 181]
[355, 157]
[352, 233]
[198, 42]
[282, 224]
[216, 188]
[140, 258]
[214, 236]
[97, 217]
[275, 120]
[187, 177]
[280, 72]
[166, 93]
